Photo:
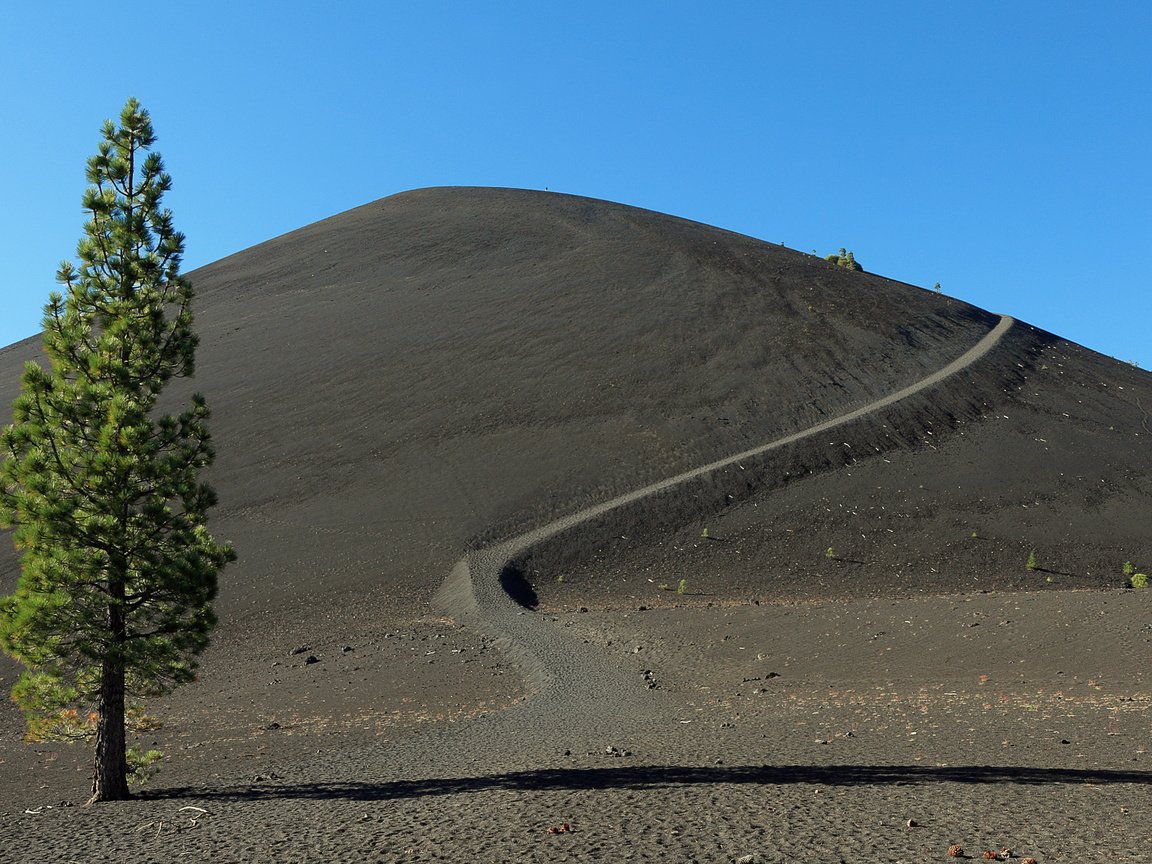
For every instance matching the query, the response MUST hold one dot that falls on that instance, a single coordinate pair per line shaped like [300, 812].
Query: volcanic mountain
[447, 368]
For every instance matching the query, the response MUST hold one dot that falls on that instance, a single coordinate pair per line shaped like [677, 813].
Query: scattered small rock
[272, 726]
[912, 823]
[312, 658]
[300, 649]
[347, 648]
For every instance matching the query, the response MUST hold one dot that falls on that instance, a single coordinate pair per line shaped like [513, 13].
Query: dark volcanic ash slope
[915, 499]
[445, 365]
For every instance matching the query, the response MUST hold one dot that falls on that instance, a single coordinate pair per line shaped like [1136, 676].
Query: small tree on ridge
[843, 259]
[118, 571]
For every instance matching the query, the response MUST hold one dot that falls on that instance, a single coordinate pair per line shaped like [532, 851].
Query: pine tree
[117, 568]
[844, 259]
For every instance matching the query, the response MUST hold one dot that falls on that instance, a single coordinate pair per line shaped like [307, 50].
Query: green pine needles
[844, 259]
[118, 569]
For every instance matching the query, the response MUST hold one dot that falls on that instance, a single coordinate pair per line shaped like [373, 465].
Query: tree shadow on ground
[1053, 572]
[655, 777]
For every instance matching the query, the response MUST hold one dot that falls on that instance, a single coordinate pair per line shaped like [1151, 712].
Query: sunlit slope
[446, 365]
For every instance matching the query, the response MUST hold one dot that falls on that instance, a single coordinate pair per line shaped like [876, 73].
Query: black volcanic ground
[393, 383]
[449, 366]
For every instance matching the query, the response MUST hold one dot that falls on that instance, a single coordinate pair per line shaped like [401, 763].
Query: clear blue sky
[1002, 149]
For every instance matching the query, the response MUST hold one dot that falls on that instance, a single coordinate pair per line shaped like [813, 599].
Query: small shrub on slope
[845, 259]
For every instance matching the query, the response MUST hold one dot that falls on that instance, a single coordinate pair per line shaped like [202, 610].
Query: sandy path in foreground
[576, 685]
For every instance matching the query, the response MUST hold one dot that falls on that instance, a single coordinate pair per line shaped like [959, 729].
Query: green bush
[1032, 562]
[142, 764]
[844, 259]
[1139, 581]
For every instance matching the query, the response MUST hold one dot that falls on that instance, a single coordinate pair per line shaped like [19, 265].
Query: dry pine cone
[955, 851]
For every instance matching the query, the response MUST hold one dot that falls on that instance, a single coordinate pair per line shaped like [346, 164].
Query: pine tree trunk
[110, 764]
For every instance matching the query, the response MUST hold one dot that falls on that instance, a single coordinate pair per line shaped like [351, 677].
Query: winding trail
[575, 682]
